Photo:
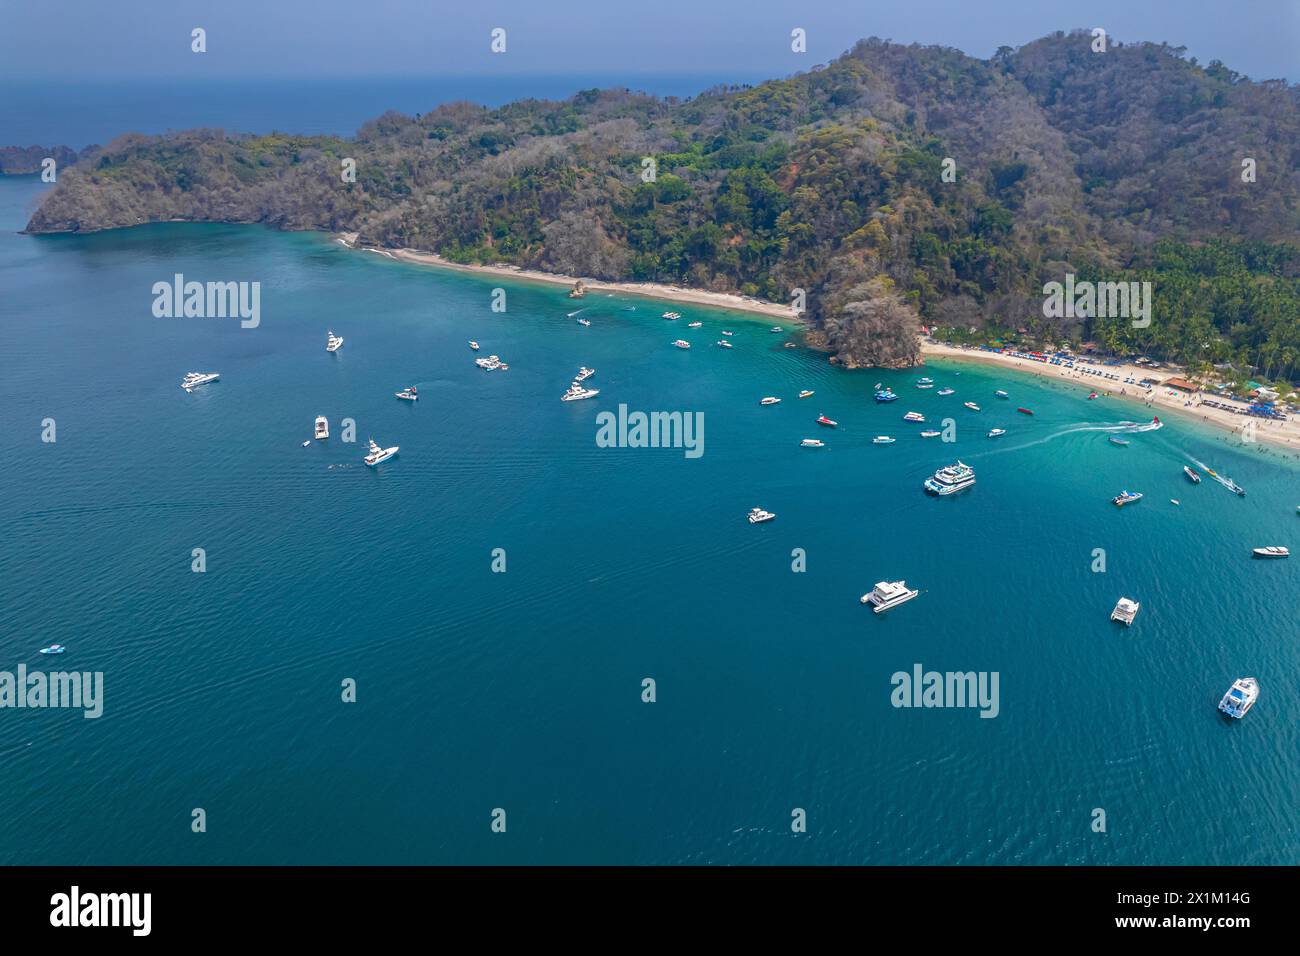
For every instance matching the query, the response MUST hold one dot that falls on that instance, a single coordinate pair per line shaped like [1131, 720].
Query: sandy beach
[652, 290]
[1284, 435]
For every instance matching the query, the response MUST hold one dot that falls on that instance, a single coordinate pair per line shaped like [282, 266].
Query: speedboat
[931, 433]
[829, 423]
[724, 343]
[1241, 696]
[945, 391]
[1125, 497]
[886, 395]
[584, 321]
[584, 373]
[333, 343]
[378, 454]
[776, 328]
[769, 400]
[1001, 394]
[682, 344]
[913, 417]
[972, 406]
[474, 346]
[883, 440]
[725, 332]
[1125, 611]
[997, 432]
[693, 325]
[1191, 473]
[1228, 483]
[758, 516]
[806, 393]
[951, 479]
[1273, 551]
[53, 649]
[812, 443]
[577, 393]
[1024, 411]
[408, 394]
[322, 427]
[193, 380]
[1118, 441]
[887, 594]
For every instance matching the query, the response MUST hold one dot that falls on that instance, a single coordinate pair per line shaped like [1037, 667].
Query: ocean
[522, 691]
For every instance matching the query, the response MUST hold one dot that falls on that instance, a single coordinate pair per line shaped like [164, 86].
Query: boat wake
[577, 312]
[1108, 428]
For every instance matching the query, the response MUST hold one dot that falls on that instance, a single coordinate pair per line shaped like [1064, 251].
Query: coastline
[1283, 435]
[649, 290]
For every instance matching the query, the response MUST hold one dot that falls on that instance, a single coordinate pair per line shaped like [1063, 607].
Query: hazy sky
[1260, 38]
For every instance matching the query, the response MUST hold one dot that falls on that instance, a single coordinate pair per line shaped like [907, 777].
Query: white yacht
[473, 346]
[193, 380]
[769, 400]
[491, 363]
[887, 594]
[682, 344]
[1241, 696]
[997, 433]
[724, 343]
[1125, 611]
[1001, 394]
[378, 454]
[758, 516]
[334, 342]
[913, 417]
[951, 479]
[577, 393]
[322, 427]
[883, 440]
[930, 433]
[584, 373]
[812, 443]
[408, 394]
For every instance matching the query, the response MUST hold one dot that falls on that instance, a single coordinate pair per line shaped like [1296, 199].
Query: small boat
[1125, 611]
[1001, 394]
[474, 346]
[812, 443]
[672, 315]
[789, 345]
[693, 325]
[877, 386]
[1092, 396]
[886, 395]
[378, 454]
[306, 443]
[769, 400]
[577, 393]
[193, 380]
[724, 343]
[1241, 696]
[776, 328]
[887, 594]
[925, 381]
[1125, 497]
[945, 391]
[823, 420]
[725, 332]
[913, 417]
[758, 516]
[1174, 501]
[1191, 473]
[924, 385]
[584, 373]
[1118, 441]
[584, 321]
[333, 343]
[997, 432]
[1024, 411]
[682, 344]
[930, 434]
[322, 427]
[883, 440]
[408, 394]
[53, 649]
[1273, 551]
[972, 406]
[806, 393]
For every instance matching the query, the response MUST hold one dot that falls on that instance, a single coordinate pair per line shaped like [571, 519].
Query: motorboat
[887, 594]
[474, 346]
[408, 394]
[1273, 551]
[925, 380]
[584, 373]
[1191, 473]
[972, 406]
[577, 393]
[333, 343]
[945, 391]
[1024, 411]
[1118, 441]
[769, 400]
[672, 315]
[806, 393]
[378, 454]
[1241, 696]
[913, 417]
[725, 332]
[758, 515]
[322, 427]
[883, 440]
[53, 649]
[997, 432]
[489, 364]
[693, 325]
[776, 329]
[829, 423]
[930, 433]
[193, 380]
[950, 479]
[1001, 394]
[584, 321]
[1126, 497]
[682, 344]
[812, 443]
[925, 385]
[724, 343]
[1125, 611]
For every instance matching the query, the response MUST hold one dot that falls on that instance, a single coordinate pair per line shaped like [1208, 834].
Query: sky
[144, 38]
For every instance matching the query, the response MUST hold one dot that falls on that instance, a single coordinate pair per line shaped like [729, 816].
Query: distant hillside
[830, 181]
[23, 160]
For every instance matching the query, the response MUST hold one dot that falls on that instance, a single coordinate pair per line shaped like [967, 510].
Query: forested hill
[830, 181]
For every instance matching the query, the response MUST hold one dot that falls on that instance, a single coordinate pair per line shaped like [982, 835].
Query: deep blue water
[522, 690]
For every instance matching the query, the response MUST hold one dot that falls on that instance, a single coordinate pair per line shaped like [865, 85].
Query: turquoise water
[522, 690]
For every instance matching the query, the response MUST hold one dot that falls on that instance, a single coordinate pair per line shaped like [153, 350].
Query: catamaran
[887, 594]
[1125, 611]
[334, 342]
[1241, 696]
[951, 479]
[378, 454]
[193, 380]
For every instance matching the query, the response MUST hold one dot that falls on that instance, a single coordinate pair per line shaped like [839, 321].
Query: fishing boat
[1024, 411]
[829, 423]
[931, 433]
[806, 393]
[758, 515]
[1001, 394]
[883, 440]
[769, 400]
[1273, 551]
[812, 443]
[945, 391]
[682, 344]
[1118, 441]
[1126, 497]
[322, 427]
[408, 394]
[1241, 696]
[1125, 611]
[53, 649]
[1190, 472]
[887, 594]
[997, 433]
[334, 342]
[913, 417]
[972, 406]
[378, 454]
